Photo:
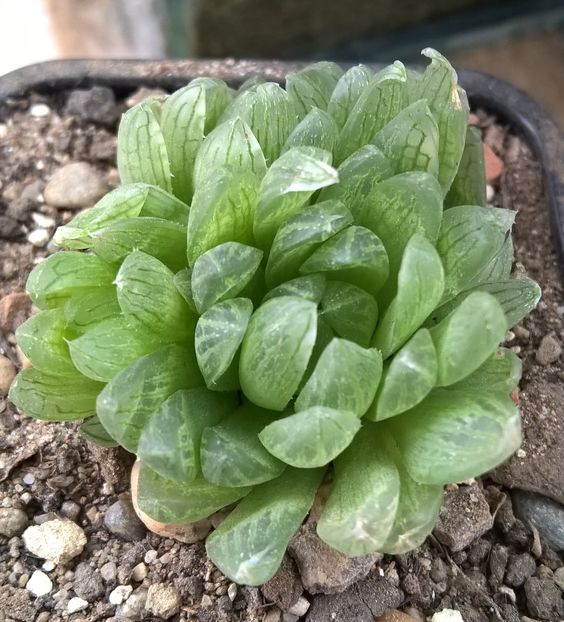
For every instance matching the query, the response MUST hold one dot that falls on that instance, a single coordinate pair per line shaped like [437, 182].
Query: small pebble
[38, 237]
[300, 608]
[45, 222]
[120, 594]
[232, 591]
[7, 374]
[447, 615]
[39, 110]
[121, 520]
[163, 600]
[549, 350]
[39, 584]
[139, 572]
[76, 604]
[70, 509]
[12, 522]
[150, 556]
[490, 193]
[28, 479]
[48, 566]
[58, 540]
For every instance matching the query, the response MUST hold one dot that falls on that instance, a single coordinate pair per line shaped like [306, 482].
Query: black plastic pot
[526, 117]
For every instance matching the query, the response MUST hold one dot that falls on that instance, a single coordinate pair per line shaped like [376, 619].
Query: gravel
[74, 186]
[7, 374]
[39, 584]
[163, 600]
[58, 540]
[549, 350]
[12, 522]
[120, 519]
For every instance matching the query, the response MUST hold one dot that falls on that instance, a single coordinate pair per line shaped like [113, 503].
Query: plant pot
[512, 107]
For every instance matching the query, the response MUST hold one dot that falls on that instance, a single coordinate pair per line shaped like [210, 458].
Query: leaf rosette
[293, 286]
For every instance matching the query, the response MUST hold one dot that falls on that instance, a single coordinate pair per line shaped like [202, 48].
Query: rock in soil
[133, 607]
[88, 583]
[546, 515]
[544, 599]
[16, 604]
[12, 522]
[75, 185]
[464, 517]
[121, 520]
[549, 350]
[361, 602]
[322, 568]
[14, 310]
[519, 568]
[97, 104]
[57, 540]
[447, 615]
[39, 584]
[393, 615]
[7, 374]
[285, 587]
[76, 604]
[163, 600]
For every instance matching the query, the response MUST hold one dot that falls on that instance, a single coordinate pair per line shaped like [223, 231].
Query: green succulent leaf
[498, 268]
[51, 397]
[133, 395]
[232, 454]
[408, 379]
[350, 311]
[469, 184]
[452, 435]
[317, 129]
[62, 275]
[94, 432]
[219, 333]
[355, 255]
[157, 237]
[361, 507]
[85, 310]
[169, 501]
[183, 282]
[223, 272]
[287, 187]
[276, 350]
[268, 111]
[223, 210]
[233, 145]
[470, 237]
[42, 339]
[379, 103]
[347, 91]
[170, 442]
[468, 336]
[110, 346]
[249, 545]
[312, 437]
[299, 236]
[345, 378]
[358, 176]
[147, 294]
[313, 86]
[501, 372]
[218, 96]
[141, 153]
[310, 287]
[420, 287]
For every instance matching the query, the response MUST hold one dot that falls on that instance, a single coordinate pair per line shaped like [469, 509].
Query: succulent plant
[292, 287]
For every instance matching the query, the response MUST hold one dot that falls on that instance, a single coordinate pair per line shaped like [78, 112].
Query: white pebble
[447, 615]
[150, 556]
[39, 584]
[139, 572]
[43, 221]
[39, 237]
[3, 130]
[232, 591]
[48, 566]
[28, 479]
[76, 604]
[300, 608]
[120, 594]
[490, 193]
[39, 110]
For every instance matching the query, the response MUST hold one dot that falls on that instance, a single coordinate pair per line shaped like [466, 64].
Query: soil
[49, 470]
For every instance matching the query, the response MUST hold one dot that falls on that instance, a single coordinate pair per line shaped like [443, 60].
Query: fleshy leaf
[420, 287]
[160, 238]
[223, 272]
[380, 102]
[408, 379]
[276, 350]
[249, 544]
[317, 129]
[183, 282]
[498, 268]
[311, 438]
[110, 346]
[62, 275]
[132, 396]
[219, 333]
[170, 442]
[94, 432]
[301, 235]
[355, 255]
[358, 175]
[232, 454]
[288, 185]
[310, 287]
[501, 372]
[222, 210]
[345, 378]
[348, 89]
[86, 309]
[42, 339]
[410, 140]
[468, 336]
[469, 185]
[360, 511]
[268, 111]
[141, 151]
[452, 436]
[218, 95]
[147, 294]
[182, 121]
[469, 238]
[350, 311]
[169, 501]
[54, 398]
[231, 144]
[312, 87]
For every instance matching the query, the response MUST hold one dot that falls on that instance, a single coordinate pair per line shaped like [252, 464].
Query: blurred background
[518, 40]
